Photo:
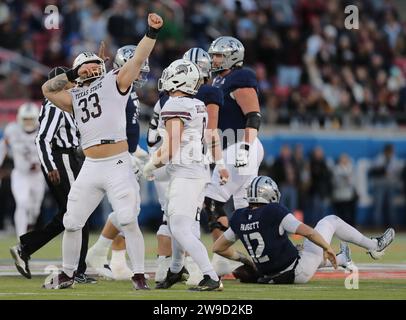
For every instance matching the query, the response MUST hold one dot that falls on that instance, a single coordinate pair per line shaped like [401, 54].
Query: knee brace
[214, 210]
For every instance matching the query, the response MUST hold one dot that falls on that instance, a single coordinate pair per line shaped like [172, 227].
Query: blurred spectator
[344, 195]
[302, 175]
[13, 87]
[320, 186]
[283, 171]
[385, 175]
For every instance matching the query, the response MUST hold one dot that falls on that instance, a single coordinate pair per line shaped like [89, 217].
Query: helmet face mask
[232, 51]
[27, 116]
[126, 53]
[89, 57]
[263, 190]
[181, 75]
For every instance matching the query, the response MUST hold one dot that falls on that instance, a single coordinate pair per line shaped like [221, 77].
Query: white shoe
[162, 268]
[383, 242]
[99, 263]
[195, 275]
[121, 271]
[221, 265]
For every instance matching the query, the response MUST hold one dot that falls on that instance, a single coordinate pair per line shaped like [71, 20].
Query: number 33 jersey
[99, 110]
[188, 162]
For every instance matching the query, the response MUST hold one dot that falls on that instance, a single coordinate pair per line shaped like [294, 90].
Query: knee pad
[163, 230]
[214, 210]
[70, 223]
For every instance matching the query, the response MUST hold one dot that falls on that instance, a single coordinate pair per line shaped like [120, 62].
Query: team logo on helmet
[182, 68]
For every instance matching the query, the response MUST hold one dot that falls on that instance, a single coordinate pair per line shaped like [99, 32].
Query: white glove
[241, 159]
[148, 171]
[141, 155]
[135, 165]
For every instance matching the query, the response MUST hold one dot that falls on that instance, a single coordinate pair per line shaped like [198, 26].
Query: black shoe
[21, 260]
[84, 279]
[59, 281]
[171, 279]
[208, 284]
[139, 282]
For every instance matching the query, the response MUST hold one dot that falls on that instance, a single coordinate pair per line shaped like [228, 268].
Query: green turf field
[16, 287]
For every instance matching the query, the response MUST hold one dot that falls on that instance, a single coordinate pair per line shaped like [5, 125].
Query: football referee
[57, 144]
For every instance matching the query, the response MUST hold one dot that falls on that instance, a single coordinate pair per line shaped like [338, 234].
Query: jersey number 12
[257, 255]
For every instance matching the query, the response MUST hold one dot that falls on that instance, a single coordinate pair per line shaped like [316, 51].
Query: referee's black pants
[34, 240]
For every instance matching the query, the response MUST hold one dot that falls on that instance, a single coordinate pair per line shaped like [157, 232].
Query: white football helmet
[263, 190]
[201, 58]
[126, 53]
[181, 75]
[27, 116]
[232, 51]
[89, 57]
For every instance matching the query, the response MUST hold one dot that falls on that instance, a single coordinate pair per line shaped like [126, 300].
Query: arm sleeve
[49, 125]
[289, 224]
[3, 151]
[230, 235]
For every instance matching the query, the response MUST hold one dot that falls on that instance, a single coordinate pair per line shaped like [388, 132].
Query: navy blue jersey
[163, 97]
[209, 94]
[258, 229]
[133, 127]
[231, 115]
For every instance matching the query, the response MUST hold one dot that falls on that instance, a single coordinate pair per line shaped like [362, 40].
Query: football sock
[71, 243]
[181, 229]
[134, 242]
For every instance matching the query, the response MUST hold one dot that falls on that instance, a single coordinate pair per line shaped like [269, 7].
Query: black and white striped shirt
[57, 129]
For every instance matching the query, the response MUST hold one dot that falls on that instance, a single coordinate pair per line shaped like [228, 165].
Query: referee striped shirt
[57, 129]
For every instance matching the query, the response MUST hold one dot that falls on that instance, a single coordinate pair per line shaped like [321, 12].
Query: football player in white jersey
[110, 237]
[212, 98]
[27, 182]
[185, 121]
[98, 105]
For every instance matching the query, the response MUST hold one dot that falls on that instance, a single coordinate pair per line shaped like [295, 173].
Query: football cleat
[59, 281]
[208, 284]
[139, 282]
[84, 279]
[171, 279]
[21, 261]
[383, 242]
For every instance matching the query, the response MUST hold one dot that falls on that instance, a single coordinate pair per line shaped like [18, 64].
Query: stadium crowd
[312, 71]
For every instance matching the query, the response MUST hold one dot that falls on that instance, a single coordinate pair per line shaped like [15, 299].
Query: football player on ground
[263, 228]
[110, 237]
[185, 119]
[27, 182]
[99, 109]
[213, 99]
[239, 121]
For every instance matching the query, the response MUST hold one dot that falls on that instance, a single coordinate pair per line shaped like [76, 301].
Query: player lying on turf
[263, 226]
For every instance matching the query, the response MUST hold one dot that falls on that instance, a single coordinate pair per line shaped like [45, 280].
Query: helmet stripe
[191, 55]
[254, 186]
